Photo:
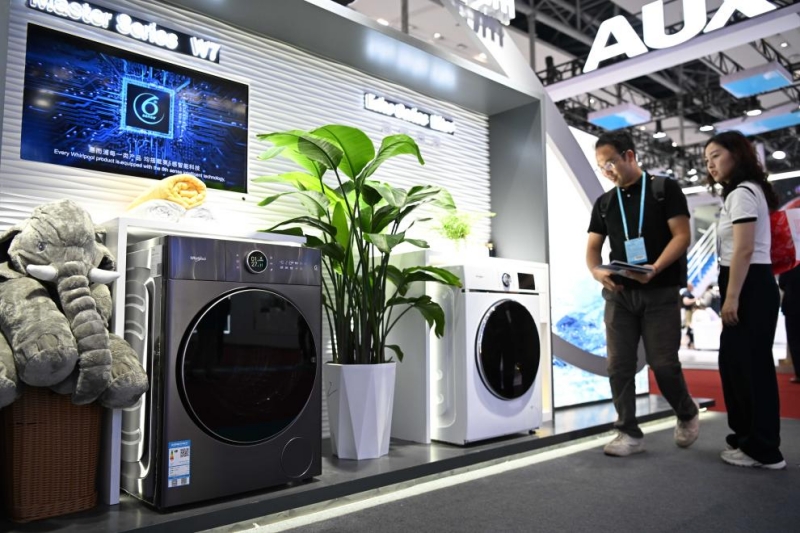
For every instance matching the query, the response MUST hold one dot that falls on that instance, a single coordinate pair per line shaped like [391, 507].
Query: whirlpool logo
[148, 109]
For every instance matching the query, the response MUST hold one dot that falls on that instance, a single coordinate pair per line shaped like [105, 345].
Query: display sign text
[124, 24]
[379, 104]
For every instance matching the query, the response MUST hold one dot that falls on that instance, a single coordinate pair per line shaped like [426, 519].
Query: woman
[750, 301]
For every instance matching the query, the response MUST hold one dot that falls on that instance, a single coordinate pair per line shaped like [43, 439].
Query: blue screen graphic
[92, 106]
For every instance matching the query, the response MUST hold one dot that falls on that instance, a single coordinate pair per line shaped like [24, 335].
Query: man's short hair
[621, 140]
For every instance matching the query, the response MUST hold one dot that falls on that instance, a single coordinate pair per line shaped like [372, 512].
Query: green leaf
[341, 221]
[356, 147]
[444, 276]
[270, 153]
[295, 232]
[302, 182]
[269, 199]
[315, 203]
[385, 243]
[331, 250]
[309, 222]
[320, 150]
[397, 351]
[384, 216]
[392, 146]
[394, 196]
[419, 243]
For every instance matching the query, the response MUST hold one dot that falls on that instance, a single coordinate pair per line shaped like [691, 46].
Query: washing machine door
[247, 367]
[507, 349]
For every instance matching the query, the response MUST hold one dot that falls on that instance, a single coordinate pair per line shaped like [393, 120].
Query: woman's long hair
[746, 166]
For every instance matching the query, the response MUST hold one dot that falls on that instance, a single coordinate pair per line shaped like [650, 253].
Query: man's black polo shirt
[655, 228]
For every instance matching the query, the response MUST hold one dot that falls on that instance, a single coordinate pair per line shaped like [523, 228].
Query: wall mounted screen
[92, 106]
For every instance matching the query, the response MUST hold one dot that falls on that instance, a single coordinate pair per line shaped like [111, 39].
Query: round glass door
[247, 366]
[507, 350]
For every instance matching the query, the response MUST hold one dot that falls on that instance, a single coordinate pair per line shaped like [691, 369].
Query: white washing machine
[486, 370]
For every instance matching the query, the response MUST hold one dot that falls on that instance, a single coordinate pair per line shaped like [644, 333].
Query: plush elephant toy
[55, 309]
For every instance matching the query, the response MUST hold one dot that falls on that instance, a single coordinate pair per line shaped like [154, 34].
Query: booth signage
[379, 104]
[124, 24]
[653, 28]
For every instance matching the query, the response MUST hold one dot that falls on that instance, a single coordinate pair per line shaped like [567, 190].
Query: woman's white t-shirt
[746, 203]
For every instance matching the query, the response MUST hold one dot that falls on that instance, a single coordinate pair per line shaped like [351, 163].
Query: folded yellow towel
[183, 189]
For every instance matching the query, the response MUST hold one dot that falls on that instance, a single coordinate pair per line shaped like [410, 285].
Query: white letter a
[749, 8]
[628, 42]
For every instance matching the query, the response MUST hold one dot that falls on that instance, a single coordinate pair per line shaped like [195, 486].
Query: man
[652, 231]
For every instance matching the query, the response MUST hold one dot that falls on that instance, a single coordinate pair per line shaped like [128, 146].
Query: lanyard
[641, 208]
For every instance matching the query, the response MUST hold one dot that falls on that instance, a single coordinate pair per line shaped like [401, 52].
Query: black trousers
[747, 367]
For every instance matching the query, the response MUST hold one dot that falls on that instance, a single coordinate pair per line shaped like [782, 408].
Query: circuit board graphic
[93, 106]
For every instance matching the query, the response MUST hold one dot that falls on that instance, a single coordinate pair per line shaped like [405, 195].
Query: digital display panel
[256, 262]
[93, 106]
[526, 281]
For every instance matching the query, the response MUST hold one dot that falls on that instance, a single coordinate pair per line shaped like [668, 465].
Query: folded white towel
[199, 213]
[158, 210]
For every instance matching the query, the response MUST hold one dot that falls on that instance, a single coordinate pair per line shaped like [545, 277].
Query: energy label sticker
[180, 459]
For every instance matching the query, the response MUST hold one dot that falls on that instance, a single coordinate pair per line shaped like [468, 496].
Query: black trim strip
[743, 220]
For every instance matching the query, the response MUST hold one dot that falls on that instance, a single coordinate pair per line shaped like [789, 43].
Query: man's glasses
[609, 165]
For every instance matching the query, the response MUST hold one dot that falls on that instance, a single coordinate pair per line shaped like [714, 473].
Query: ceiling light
[591, 100]
[674, 144]
[437, 35]
[694, 178]
[779, 154]
[784, 44]
[692, 172]
[695, 190]
[753, 107]
[481, 57]
[784, 175]
[670, 171]
[659, 134]
[642, 128]
[706, 127]
[383, 22]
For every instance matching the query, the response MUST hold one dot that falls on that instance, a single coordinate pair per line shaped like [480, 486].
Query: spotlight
[659, 134]
[706, 127]
[753, 107]
[437, 35]
[383, 22]
[779, 154]
[784, 44]
[692, 172]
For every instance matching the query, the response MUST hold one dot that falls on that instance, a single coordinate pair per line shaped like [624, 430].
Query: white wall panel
[289, 89]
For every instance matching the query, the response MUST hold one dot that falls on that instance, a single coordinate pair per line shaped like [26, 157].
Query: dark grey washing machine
[230, 334]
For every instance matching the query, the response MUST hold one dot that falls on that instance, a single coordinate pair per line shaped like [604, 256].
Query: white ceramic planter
[360, 400]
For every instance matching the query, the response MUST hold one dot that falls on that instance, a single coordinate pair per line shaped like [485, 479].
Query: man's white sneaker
[739, 458]
[687, 431]
[624, 445]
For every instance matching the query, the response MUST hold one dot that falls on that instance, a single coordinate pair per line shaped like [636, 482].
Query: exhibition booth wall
[230, 79]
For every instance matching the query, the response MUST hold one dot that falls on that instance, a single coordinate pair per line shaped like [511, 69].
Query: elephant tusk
[42, 272]
[98, 275]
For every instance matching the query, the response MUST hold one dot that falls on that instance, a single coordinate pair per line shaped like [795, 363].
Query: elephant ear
[6, 272]
[103, 258]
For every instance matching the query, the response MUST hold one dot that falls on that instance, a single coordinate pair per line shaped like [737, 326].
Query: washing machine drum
[247, 366]
[507, 350]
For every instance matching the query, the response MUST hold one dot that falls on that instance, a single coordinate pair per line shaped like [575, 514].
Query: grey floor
[666, 489]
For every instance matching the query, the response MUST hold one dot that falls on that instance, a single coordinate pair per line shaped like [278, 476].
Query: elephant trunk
[88, 327]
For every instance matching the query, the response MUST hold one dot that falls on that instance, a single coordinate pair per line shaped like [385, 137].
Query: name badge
[635, 251]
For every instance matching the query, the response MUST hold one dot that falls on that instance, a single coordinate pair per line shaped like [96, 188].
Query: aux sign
[653, 28]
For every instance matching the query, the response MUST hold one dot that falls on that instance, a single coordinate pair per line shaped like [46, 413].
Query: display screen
[526, 281]
[92, 106]
[256, 262]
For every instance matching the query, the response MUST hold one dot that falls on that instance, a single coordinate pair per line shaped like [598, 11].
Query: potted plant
[456, 226]
[356, 223]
